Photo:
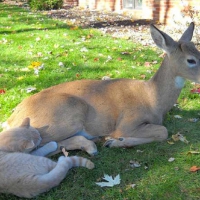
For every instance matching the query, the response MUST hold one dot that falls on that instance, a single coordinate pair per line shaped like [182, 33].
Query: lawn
[38, 52]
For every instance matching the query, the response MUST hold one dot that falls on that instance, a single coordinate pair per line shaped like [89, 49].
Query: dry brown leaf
[194, 168]
[180, 137]
[143, 76]
[147, 64]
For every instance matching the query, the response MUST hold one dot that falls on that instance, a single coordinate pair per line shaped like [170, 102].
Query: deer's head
[183, 57]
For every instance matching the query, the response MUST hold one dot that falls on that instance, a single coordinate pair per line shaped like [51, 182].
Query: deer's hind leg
[144, 134]
[77, 143]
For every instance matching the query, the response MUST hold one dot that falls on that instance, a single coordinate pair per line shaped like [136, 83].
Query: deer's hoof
[108, 143]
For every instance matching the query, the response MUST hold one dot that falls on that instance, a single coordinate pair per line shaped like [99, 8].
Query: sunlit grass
[69, 53]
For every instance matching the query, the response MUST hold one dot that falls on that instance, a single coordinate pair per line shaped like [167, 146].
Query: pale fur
[26, 175]
[25, 139]
[22, 139]
[128, 112]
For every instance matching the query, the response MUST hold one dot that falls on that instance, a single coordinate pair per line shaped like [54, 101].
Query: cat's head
[20, 139]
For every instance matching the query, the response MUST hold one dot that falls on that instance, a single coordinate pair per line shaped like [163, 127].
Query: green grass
[30, 37]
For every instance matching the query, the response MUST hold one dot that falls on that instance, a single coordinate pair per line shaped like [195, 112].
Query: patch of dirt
[118, 25]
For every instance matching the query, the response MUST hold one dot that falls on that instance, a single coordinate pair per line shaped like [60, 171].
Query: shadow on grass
[14, 14]
[121, 23]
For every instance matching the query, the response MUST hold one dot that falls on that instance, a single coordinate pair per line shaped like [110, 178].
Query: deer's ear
[187, 35]
[25, 123]
[162, 40]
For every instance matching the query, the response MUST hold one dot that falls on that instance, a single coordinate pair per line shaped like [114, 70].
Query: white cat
[25, 139]
[26, 175]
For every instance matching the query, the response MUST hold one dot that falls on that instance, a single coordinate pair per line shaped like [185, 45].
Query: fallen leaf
[171, 159]
[139, 151]
[77, 75]
[38, 39]
[194, 120]
[39, 54]
[146, 166]
[60, 64]
[143, 76]
[89, 36]
[149, 71]
[176, 168]
[180, 137]
[34, 65]
[147, 64]
[110, 181]
[193, 152]
[134, 163]
[177, 116]
[20, 78]
[125, 53]
[36, 71]
[162, 55]
[194, 168]
[196, 91]
[56, 46]
[73, 27]
[130, 186]
[66, 153]
[2, 91]
[170, 142]
[84, 49]
[96, 59]
[155, 62]
[30, 89]
[26, 69]
[109, 58]
[119, 59]
[106, 78]
[175, 137]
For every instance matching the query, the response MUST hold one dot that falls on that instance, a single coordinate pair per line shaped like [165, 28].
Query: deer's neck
[167, 86]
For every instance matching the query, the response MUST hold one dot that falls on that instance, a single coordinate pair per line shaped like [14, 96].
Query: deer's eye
[191, 61]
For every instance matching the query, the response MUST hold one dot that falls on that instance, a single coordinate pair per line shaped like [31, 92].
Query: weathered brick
[152, 9]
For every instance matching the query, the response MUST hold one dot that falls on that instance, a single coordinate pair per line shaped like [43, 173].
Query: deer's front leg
[144, 134]
[76, 143]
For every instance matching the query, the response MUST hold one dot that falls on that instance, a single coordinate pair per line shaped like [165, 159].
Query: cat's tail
[76, 161]
[44, 182]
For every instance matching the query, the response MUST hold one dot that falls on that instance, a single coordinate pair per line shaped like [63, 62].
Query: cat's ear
[25, 123]
[42, 129]
[28, 145]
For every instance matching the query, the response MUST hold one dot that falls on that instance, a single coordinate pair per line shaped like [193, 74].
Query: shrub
[45, 4]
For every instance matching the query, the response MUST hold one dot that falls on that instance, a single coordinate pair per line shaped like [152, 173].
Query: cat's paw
[52, 145]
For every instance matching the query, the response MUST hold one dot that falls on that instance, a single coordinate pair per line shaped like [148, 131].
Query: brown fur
[129, 112]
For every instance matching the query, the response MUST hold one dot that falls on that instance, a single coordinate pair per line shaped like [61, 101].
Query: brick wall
[165, 11]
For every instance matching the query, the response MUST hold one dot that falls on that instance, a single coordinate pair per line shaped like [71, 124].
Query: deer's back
[98, 104]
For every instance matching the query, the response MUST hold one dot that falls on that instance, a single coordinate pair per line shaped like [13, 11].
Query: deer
[126, 112]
